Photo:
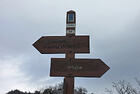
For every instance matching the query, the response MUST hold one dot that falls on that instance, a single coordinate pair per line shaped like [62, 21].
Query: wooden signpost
[70, 44]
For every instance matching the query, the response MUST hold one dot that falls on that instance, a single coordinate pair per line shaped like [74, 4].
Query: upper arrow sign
[77, 67]
[62, 44]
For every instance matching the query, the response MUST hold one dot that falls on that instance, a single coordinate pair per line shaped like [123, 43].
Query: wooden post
[68, 85]
[70, 32]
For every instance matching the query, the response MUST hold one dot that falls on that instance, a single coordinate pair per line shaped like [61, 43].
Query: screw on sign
[70, 44]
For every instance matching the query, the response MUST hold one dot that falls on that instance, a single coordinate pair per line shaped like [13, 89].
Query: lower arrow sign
[78, 67]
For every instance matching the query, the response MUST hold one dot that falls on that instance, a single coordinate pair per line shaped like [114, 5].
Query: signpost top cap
[71, 17]
[71, 11]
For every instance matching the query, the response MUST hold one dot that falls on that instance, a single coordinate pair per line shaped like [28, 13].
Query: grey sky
[113, 26]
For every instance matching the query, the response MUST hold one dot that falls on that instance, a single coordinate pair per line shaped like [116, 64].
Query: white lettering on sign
[75, 67]
[70, 32]
[70, 25]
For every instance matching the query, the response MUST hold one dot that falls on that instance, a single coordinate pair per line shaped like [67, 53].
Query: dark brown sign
[62, 44]
[77, 67]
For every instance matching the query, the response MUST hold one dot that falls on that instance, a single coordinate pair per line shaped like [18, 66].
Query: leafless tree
[80, 90]
[124, 87]
[109, 91]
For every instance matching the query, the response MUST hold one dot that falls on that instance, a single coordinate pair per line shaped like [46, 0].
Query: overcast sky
[113, 27]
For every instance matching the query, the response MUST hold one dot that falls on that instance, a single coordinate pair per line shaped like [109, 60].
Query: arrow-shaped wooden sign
[62, 44]
[77, 67]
